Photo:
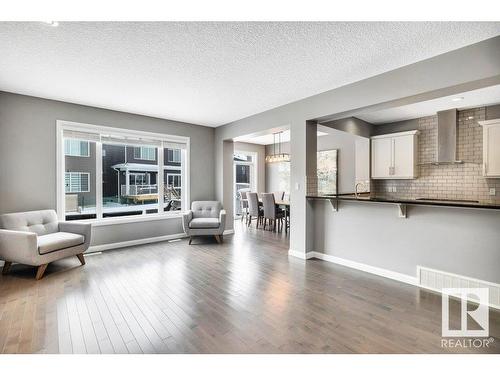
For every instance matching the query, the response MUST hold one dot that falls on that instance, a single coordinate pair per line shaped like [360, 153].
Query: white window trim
[79, 156]
[80, 191]
[62, 125]
[141, 156]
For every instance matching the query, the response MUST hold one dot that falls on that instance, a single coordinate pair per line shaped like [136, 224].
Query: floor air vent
[437, 280]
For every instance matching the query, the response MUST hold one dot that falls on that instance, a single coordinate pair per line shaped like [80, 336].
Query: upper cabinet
[491, 148]
[394, 156]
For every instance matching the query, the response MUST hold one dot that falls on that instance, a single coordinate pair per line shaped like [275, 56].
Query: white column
[98, 180]
[127, 181]
[159, 180]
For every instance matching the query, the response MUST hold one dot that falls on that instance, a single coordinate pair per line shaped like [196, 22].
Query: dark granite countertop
[413, 201]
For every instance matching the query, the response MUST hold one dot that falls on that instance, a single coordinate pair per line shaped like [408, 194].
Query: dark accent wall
[352, 125]
[84, 164]
[394, 127]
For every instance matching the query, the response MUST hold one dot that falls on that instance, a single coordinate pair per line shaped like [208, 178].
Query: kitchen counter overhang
[403, 202]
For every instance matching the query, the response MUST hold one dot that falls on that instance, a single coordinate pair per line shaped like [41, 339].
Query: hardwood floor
[244, 296]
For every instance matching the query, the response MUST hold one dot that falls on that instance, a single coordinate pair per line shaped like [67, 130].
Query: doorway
[244, 176]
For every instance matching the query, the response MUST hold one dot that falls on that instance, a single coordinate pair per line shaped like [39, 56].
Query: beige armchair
[206, 218]
[37, 238]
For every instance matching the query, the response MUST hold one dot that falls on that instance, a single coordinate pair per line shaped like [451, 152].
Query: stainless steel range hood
[447, 138]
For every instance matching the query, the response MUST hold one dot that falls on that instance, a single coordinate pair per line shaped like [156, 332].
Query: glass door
[244, 177]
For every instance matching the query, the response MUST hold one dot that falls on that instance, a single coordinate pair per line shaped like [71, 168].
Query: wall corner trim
[366, 268]
[300, 254]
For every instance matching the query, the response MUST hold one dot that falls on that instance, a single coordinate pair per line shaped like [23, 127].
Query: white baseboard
[365, 267]
[141, 241]
[300, 254]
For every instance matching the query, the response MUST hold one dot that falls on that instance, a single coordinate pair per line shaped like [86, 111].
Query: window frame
[78, 156]
[79, 191]
[102, 131]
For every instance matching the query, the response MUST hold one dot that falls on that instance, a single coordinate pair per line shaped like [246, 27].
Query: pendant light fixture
[280, 156]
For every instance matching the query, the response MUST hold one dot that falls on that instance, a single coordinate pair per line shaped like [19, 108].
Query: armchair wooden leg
[40, 271]
[217, 237]
[81, 259]
[190, 239]
[6, 267]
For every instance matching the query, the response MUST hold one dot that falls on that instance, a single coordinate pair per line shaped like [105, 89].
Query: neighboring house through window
[174, 180]
[77, 182]
[130, 172]
[174, 156]
[75, 147]
[144, 153]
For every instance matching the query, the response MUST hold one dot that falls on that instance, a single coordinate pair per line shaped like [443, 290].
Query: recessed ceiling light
[457, 99]
[52, 23]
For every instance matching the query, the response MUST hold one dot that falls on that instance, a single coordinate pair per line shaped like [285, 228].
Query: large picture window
[127, 173]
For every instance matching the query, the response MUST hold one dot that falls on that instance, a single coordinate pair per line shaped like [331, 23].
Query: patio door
[244, 177]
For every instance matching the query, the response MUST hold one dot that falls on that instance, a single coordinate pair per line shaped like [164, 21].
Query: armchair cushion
[206, 209]
[204, 222]
[58, 241]
[39, 222]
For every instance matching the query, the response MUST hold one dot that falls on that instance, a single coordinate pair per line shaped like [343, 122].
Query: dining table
[281, 204]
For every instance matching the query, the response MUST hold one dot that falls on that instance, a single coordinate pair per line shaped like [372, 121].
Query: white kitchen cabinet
[394, 156]
[491, 148]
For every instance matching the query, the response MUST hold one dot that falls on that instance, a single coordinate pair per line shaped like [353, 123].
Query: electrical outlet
[493, 192]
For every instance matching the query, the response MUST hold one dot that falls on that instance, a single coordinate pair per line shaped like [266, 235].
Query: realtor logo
[478, 313]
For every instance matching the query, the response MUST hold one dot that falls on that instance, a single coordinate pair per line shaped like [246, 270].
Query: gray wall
[272, 169]
[456, 240]
[344, 142]
[28, 157]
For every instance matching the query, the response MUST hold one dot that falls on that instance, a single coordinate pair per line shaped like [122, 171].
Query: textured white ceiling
[476, 98]
[211, 73]
[269, 139]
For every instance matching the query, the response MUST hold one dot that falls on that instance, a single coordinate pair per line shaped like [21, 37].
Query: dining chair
[244, 205]
[254, 210]
[278, 195]
[271, 212]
